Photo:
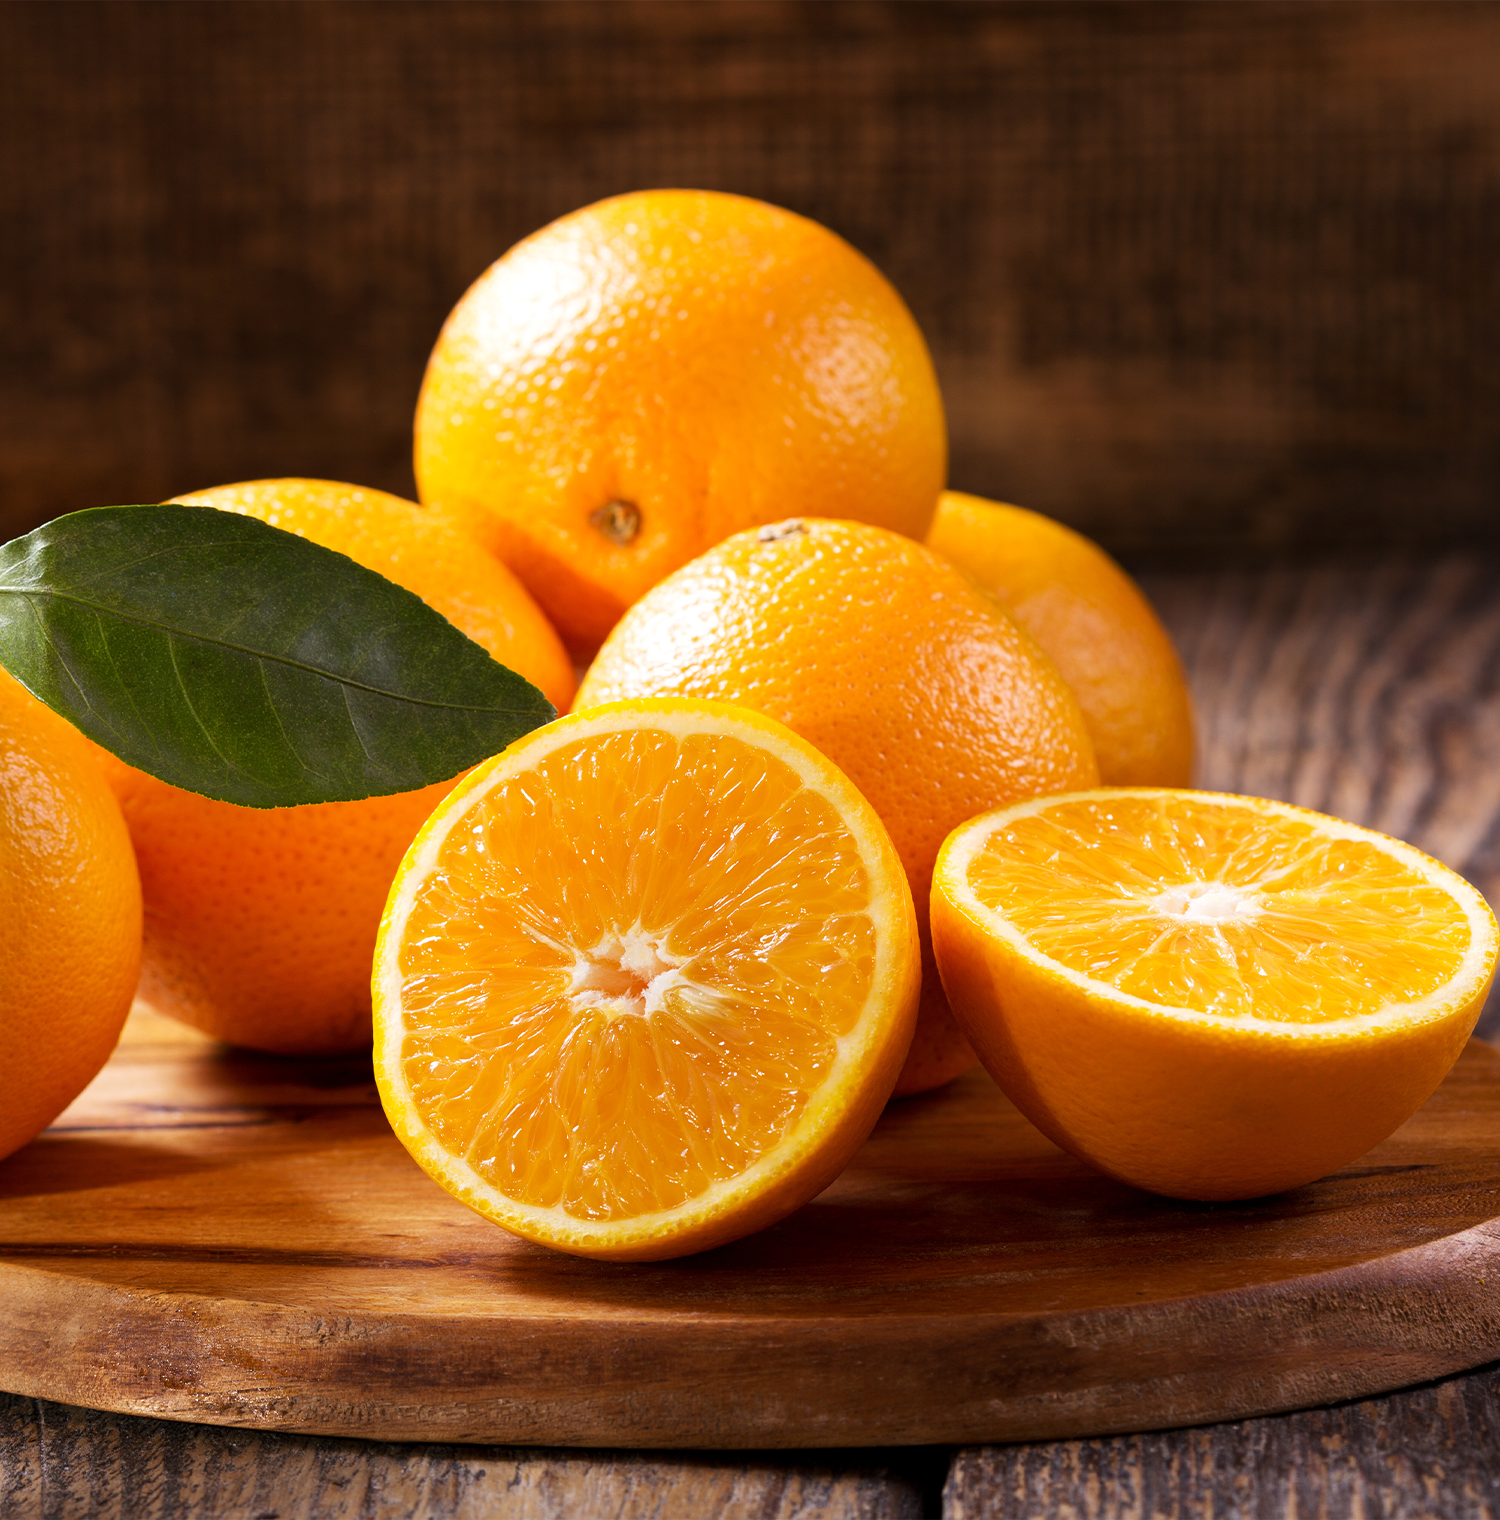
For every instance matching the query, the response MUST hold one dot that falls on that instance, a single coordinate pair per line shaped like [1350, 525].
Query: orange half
[1205, 995]
[645, 980]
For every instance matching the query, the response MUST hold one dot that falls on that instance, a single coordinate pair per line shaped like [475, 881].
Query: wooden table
[1369, 690]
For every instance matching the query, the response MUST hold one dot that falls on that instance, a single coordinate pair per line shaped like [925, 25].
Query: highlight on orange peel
[652, 373]
[1204, 995]
[70, 916]
[644, 980]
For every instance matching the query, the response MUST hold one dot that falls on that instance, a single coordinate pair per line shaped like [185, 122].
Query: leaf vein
[187, 698]
[281, 728]
[359, 732]
[255, 654]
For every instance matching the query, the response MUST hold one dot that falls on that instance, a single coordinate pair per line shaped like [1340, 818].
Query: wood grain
[58, 1463]
[1431, 1453]
[1209, 274]
[209, 1235]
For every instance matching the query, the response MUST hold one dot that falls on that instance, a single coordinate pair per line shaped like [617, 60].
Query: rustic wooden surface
[210, 1235]
[58, 1463]
[1431, 1453]
[1371, 688]
[1191, 273]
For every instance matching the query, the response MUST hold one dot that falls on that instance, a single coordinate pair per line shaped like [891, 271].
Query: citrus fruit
[645, 980]
[70, 917]
[1204, 995]
[882, 655]
[650, 374]
[260, 923]
[1092, 620]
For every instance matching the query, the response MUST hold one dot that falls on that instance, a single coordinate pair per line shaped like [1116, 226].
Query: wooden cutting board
[209, 1235]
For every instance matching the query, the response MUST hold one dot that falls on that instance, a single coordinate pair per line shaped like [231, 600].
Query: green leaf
[238, 660]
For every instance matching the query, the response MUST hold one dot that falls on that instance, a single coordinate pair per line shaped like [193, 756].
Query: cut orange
[645, 980]
[1207, 996]
[881, 653]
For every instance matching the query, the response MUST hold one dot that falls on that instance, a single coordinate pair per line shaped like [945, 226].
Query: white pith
[961, 848]
[628, 973]
[1207, 902]
[624, 975]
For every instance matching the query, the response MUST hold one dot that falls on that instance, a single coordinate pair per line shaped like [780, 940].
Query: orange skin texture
[1162, 1106]
[712, 360]
[70, 917]
[260, 923]
[885, 658]
[1092, 620]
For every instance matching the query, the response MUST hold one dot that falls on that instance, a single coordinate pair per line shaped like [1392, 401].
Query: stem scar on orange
[654, 372]
[644, 980]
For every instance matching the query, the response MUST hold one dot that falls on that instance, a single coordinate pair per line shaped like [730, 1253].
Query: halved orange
[645, 980]
[1204, 995]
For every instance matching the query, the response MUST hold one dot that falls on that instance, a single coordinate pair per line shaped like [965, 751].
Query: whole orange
[648, 375]
[1094, 623]
[880, 654]
[70, 917]
[260, 923]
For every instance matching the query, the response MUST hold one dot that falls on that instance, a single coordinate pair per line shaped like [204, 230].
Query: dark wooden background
[1202, 278]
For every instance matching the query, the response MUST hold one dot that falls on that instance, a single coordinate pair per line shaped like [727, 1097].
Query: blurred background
[1209, 278]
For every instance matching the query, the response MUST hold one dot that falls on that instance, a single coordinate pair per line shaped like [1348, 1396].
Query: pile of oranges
[861, 776]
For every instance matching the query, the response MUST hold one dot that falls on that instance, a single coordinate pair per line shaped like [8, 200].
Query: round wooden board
[213, 1236]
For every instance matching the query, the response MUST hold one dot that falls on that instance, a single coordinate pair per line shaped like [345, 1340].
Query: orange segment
[1208, 996]
[645, 980]
[1224, 910]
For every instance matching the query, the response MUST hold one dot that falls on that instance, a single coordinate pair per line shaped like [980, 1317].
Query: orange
[645, 980]
[70, 917]
[652, 373]
[1207, 996]
[886, 658]
[260, 923]
[1094, 623]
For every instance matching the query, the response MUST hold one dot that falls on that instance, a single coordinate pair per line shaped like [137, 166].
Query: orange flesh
[1217, 910]
[630, 969]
